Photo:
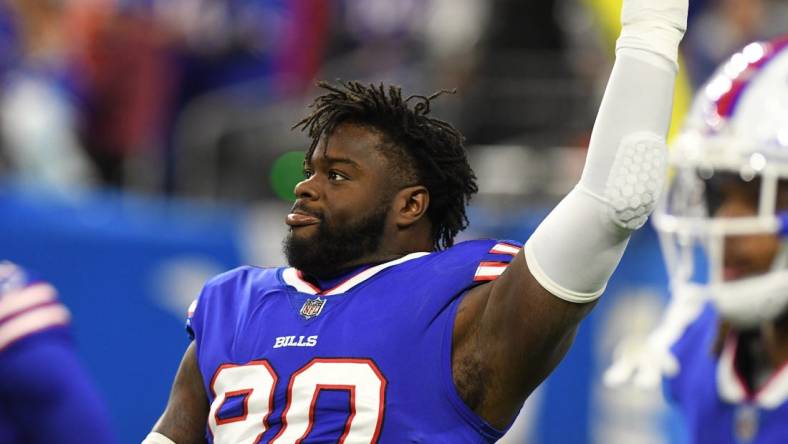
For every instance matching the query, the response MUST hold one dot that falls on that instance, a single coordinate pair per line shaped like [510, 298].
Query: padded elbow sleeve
[575, 250]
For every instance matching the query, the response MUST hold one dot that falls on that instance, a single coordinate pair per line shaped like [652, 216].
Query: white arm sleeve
[575, 250]
[157, 438]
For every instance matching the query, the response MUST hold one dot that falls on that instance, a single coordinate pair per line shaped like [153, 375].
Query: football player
[46, 395]
[723, 343]
[383, 330]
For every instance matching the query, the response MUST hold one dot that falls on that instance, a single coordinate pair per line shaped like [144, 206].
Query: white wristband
[157, 438]
[656, 26]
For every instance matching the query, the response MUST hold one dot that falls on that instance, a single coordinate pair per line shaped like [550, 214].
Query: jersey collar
[770, 395]
[293, 277]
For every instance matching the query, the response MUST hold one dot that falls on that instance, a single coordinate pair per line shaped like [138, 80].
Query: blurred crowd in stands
[197, 97]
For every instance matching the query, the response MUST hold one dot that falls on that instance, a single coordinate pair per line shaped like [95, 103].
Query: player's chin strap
[575, 250]
[157, 438]
[751, 301]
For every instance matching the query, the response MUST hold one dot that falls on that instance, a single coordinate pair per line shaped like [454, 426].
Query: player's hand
[643, 363]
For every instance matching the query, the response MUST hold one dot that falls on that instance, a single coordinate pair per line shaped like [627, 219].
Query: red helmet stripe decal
[726, 103]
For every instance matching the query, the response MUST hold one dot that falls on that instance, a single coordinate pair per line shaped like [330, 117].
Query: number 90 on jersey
[252, 386]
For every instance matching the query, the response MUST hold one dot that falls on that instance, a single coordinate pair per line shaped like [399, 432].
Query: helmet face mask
[724, 234]
[724, 218]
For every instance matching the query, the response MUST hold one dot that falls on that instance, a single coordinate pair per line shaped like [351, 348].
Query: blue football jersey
[366, 361]
[45, 394]
[716, 404]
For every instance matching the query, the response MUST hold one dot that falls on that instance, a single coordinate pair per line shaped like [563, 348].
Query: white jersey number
[256, 381]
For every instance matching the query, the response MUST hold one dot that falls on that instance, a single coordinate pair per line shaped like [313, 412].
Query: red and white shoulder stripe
[504, 248]
[28, 310]
[490, 270]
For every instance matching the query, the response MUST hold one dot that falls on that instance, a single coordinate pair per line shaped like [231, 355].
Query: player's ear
[410, 205]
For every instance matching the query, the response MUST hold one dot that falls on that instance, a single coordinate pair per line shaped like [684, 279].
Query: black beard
[326, 253]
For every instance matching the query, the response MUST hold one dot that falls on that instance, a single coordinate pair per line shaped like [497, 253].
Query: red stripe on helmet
[726, 103]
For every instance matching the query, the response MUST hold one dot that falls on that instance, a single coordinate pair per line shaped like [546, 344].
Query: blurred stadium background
[145, 145]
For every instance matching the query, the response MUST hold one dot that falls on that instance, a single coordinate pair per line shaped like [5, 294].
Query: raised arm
[184, 418]
[516, 329]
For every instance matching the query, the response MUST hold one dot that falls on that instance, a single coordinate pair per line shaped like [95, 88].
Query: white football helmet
[736, 131]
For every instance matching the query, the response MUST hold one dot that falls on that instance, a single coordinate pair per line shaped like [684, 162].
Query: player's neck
[384, 254]
[398, 241]
[335, 279]
[775, 336]
[392, 247]
[752, 361]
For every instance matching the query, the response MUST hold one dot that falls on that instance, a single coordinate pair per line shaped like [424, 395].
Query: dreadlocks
[431, 150]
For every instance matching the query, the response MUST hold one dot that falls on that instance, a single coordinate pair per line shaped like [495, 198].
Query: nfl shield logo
[312, 308]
